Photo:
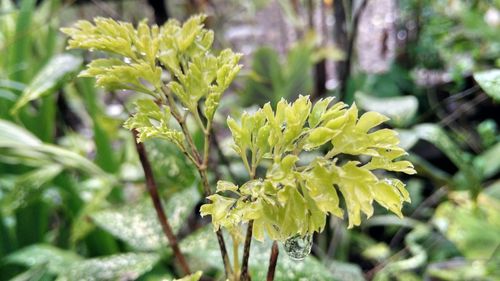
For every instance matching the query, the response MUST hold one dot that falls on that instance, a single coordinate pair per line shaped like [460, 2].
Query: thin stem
[182, 123]
[273, 259]
[225, 256]
[236, 257]
[207, 143]
[245, 162]
[197, 117]
[246, 253]
[188, 155]
[245, 276]
[206, 188]
[160, 212]
[201, 165]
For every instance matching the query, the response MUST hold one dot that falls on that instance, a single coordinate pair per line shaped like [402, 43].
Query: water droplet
[127, 60]
[283, 126]
[298, 247]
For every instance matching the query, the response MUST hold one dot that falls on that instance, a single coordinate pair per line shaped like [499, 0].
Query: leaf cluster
[295, 196]
[144, 55]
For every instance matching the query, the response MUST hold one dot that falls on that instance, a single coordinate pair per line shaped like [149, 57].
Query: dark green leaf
[56, 260]
[138, 224]
[400, 109]
[128, 266]
[490, 82]
[57, 71]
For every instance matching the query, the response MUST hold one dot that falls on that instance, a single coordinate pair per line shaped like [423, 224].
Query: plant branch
[248, 239]
[201, 165]
[182, 123]
[160, 212]
[246, 253]
[202, 169]
[223, 251]
[273, 259]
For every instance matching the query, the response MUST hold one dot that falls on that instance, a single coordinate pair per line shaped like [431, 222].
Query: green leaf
[319, 184]
[437, 136]
[319, 136]
[138, 225]
[318, 111]
[296, 196]
[472, 226]
[106, 35]
[115, 267]
[152, 120]
[489, 80]
[22, 145]
[28, 185]
[114, 74]
[488, 162]
[343, 271]
[226, 186]
[401, 110]
[219, 209]
[55, 259]
[51, 77]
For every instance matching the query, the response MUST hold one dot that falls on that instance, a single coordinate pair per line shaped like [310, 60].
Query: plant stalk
[201, 164]
[160, 212]
[246, 253]
[273, 260]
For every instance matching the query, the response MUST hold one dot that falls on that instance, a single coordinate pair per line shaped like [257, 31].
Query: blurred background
[73, 205]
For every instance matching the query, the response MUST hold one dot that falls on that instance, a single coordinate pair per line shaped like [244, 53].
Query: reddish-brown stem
[223, 250]
[160, 213]
[273, 259]
[201, 165]
[246, 253]
[220, 237]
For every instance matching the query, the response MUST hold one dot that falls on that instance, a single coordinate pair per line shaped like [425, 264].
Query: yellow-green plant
[174, 66]
[295, 198]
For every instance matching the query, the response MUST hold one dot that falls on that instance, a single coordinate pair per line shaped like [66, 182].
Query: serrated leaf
[53, 75]
[114, 74]
[226, 186]
[489, 81]
[318, 111]
[105, 34]
[319, 183]
[319, 136]
[152, 121]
